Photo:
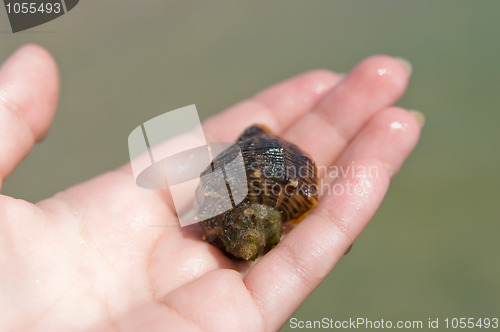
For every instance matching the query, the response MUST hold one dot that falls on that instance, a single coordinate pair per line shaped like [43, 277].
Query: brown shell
[282, 187]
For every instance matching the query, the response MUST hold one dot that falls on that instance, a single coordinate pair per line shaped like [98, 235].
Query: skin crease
[88, 260]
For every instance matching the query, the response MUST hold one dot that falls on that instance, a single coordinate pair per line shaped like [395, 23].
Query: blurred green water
[430, 251]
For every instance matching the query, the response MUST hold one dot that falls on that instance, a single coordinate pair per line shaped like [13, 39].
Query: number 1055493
[463, 323]
[33, 8]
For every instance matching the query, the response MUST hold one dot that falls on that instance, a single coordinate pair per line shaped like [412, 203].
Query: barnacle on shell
[282, 186]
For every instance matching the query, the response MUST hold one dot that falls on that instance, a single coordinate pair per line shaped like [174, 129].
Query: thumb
[29, 87]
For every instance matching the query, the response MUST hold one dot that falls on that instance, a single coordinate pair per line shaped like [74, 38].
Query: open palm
[107, 255]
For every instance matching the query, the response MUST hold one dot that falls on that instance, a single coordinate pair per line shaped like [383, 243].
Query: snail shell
[281, 186]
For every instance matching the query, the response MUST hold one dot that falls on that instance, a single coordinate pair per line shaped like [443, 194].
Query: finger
[29, 86]
[393, 124]
[277, 107]
[286, 275]
[283, 278]
[373, 85]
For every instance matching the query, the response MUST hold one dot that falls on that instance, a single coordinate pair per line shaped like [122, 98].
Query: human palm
[107, 255]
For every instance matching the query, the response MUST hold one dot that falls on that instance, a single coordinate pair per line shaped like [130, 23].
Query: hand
[90, 259]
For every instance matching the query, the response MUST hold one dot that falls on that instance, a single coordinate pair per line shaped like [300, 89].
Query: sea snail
[282, 187]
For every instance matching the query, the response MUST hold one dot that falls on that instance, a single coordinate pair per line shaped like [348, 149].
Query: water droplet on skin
[398, 126]
[381, 71]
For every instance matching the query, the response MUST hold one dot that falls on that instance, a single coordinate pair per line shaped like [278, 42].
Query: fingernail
[406, 65]
[419, 116]
[389, 168]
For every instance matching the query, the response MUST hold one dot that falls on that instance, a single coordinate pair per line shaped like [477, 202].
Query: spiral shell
[281, 186]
